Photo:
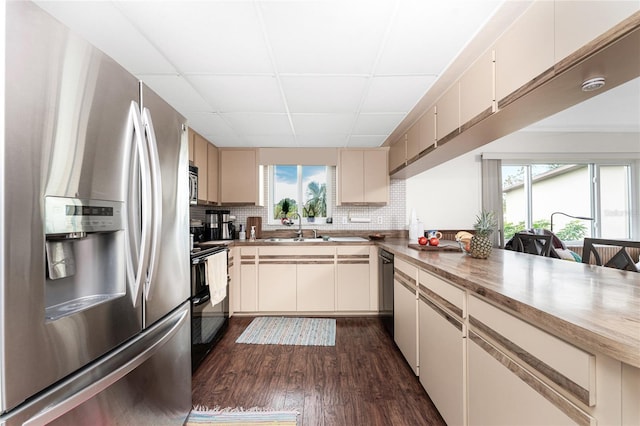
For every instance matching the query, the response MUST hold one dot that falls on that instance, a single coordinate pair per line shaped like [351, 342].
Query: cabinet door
[525, 50]
[277, 287]
[398, 154]
[212, 173]
[239, 176]
[354, 283]
[501, 395]
[404, 322]
[428, 129]
[248, 286]
[413, 141]
[234, 284]
[441, 360]
[376, 176]
[200, 160]
[351, 176]
[316, 287]
[448, 112]
[476, 89]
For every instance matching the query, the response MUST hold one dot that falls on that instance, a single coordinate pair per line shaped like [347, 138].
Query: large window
[542, 195]
[302, 190]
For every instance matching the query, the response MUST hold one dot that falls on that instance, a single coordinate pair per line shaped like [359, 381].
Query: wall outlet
[379, 220]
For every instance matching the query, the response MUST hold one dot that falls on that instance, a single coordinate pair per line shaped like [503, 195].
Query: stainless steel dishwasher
[385, 289]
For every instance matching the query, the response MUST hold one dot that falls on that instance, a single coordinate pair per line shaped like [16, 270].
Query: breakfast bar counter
[593, 307]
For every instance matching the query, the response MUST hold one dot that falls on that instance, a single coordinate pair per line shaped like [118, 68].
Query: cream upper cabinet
[200, 160]
[212, 173]
[579, 22]
[413, 141]
[363, 176]
[239, 176]
[427, 129]
[477, 89]
[526, 49]
[448, 112]
[398, 153]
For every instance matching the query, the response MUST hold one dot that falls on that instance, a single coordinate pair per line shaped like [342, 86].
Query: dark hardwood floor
[363, 380]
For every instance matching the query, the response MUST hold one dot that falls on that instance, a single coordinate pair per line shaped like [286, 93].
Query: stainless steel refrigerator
[94, 253]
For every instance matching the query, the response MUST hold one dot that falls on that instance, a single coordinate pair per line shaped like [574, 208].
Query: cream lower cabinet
[316, 286]
[502, 392]
[441, 349]
[248, 282]
[405, 311]
[354, 280]
[234, 286]
[277, 287]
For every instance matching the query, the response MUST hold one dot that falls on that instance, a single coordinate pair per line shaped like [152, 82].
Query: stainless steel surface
[72, 215]
[385, 289]
[75, 130]
[108, 386]
[64, 137]
[170, 270]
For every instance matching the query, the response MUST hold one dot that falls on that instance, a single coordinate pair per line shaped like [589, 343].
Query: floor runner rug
[238, 416]
[290, 331]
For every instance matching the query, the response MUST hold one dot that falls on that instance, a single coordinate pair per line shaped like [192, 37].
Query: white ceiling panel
[178, 92]
[396, 94]
[240, 93]
[305, 124]
[323, 94]
[368, 141]
[329, 36]
[208, 123]
[255, 124]
[200, 36]
[102, 24]
[319, 141]
[376, 124]
[286, 141]
[423, 39]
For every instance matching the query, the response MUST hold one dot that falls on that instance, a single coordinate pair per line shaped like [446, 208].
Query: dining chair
[538, 244]
[621, 259]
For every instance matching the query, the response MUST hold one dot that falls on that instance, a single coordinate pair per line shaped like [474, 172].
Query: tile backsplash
[381, 218]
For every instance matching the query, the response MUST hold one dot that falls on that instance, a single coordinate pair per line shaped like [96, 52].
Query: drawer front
[442, 292]
[569, 367]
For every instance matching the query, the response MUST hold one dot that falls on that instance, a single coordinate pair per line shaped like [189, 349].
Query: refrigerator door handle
[139, 274]
[156, 201]
[156, 337]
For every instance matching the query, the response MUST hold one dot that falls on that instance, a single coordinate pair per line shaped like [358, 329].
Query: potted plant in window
[310, 212]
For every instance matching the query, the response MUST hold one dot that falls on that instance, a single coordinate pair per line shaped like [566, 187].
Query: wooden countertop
[593, 307]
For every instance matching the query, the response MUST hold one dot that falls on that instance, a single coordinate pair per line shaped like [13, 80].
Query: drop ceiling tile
[271, 140]
[178, 92]
[208, 123]
[325, 36]
[422, 39]
[377, 124]
[366, 141]
[396, 94]
[229, 93]
[323, 94]
[104, 26]
[319, 141]
[305, 124]
[258, 124]
[203, 37]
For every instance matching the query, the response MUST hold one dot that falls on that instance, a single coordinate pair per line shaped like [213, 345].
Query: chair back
[621, 259]
[532, 243]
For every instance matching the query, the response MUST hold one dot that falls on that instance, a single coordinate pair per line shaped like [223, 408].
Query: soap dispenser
[252, 236]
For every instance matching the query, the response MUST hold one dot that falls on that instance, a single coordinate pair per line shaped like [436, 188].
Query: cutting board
[441, 247]
[257, 222]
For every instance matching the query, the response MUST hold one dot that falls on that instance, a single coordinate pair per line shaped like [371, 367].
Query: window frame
[593, 166]
[300, 195]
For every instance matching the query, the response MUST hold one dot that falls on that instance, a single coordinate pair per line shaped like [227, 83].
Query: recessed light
[592, 84]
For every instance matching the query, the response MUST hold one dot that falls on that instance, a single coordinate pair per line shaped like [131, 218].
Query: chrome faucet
[299, 232]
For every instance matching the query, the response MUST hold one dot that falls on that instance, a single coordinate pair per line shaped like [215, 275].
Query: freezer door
[145, 382]
[68, 138]
[168, 273]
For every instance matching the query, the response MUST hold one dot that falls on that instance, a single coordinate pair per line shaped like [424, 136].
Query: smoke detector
[592, 84]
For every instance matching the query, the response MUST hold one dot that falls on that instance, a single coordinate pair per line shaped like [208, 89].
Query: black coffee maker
[211, 228]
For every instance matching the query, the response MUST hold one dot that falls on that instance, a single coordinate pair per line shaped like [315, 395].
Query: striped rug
[239, 416]
[290, 331]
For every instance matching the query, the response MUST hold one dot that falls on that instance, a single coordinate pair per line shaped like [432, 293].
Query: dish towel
[217, 276]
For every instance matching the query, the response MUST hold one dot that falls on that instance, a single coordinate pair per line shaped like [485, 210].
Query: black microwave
[193, 185]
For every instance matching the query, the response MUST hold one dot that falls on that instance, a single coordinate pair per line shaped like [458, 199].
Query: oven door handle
[197, 301]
